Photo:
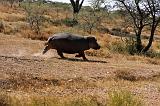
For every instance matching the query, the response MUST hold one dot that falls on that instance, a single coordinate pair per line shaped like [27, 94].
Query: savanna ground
[29, 78]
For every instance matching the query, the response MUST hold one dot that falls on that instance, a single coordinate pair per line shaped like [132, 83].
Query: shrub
[91, 19]
[35, 15]
[119, 32]
[124, 46]
[123, 98]
[69, 22]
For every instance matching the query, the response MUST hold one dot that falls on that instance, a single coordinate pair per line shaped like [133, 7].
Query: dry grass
[125, 75]
[115, 98]
[13, 17]
[4, 99]
[69, 80]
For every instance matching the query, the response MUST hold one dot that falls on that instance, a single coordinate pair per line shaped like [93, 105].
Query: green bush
[124, 47]
[69, 22]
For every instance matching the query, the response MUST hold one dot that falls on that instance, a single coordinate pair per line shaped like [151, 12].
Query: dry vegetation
[114, 76]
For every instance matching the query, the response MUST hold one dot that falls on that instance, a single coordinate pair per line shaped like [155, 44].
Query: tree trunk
[75, 16]
[139, 46]
[150, 40]
[76, 5]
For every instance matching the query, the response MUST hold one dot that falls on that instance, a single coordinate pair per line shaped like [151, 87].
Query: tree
[35, 15]
[154, 9]
[93, 17]
[76, 5]
[143, 13]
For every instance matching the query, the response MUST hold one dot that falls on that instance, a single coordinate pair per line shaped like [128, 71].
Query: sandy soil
[24, 69]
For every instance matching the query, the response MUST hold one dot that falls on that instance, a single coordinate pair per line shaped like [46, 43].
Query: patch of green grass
[123, 98]
[124, 47]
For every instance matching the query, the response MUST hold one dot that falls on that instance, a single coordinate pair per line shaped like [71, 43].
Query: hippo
[71, 44]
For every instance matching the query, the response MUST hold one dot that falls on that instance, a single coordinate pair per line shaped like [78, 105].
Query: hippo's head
[48, 46]
[93, 43]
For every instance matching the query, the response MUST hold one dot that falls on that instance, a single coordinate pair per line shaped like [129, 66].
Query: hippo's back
[70, 43]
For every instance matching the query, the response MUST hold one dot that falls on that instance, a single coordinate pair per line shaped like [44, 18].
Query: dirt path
[24, 68]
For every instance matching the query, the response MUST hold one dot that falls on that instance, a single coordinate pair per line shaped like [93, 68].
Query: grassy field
[111, 77]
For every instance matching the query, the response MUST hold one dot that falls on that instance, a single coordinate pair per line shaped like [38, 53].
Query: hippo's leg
[81, 54]
[60, 54]
[78, 55]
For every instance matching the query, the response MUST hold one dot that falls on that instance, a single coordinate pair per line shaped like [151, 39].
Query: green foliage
[123, 98]
[69, 22]
[124, 47]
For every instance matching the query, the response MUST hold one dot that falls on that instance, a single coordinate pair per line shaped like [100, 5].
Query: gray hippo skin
[71, 43]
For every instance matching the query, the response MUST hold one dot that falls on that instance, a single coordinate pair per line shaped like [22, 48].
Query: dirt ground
[24, 71]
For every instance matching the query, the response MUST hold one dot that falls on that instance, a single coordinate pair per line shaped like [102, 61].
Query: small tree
[93, 17]
[35, 15]
[143, 13]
